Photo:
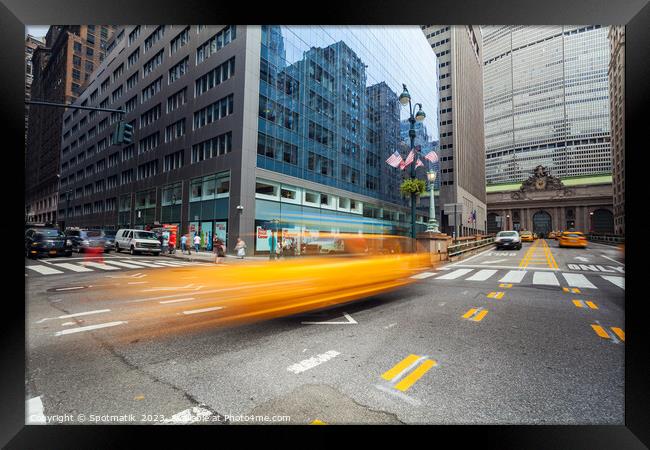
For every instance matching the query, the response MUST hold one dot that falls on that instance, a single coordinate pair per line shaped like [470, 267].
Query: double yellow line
[531, 255]
[414, 376]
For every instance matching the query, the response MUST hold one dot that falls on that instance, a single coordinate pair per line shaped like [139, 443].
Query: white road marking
[548, 269]
[546, 278]
[421, 276]
[196, 311]
[137, 282]
[312, 362]
[67, 324]
[171, 263]
[455, 274]
[578, 280]
[34, 411]
[97, 311]
[123, 264]
[44, 270]
[190, 415]
[401, 395]
[350, 321]
[143, 264]
[177, 300]
[611, 259]
[390, 326]
[89, 328]
[74, 267]
[472, 257]
[581, 258]
[618, 281]
[513, 276]
[482, 275]
[98, 265]
[494, 262]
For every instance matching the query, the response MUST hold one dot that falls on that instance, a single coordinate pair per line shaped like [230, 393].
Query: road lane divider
[616, 334]
[408, 371]
[571, 290]
[89, 328]
[312, 362]
[591, 304]
[505, 285]
[475, 314]
[202, 310]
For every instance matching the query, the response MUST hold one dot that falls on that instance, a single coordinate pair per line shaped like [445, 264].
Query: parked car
[572, 239]
[508, 239]
[527, 236]
[109, 236]
[137, 241]
[86, 240]
[46, 241]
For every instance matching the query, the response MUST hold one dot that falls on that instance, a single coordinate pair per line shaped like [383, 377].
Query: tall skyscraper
[60, 72]
[462, 150]
[617, 112]
[240, 126]
[546, 101]
[31, 44]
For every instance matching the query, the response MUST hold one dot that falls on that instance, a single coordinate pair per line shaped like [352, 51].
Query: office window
[179, 41]
[219, 145]
[176, 100]
[131, 104]
[150, 116]
[133, 57]
[105, 85]
[111, 182]
[152, 63]
[179, 70]
[128, 152]
[93, 96]
[152, 89]
[175, 130]
[214, 77]
[149, 143]
[148, 169]
[217, 110]
[118, 72]
[215, 43]
[126, 176]
[132, 80]
[117, 93]
[154, 37]
[133, 35]
[173, 161]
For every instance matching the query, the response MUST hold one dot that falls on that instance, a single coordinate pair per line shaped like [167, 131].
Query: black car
[46, 241]
[109, 236]
[86, 240]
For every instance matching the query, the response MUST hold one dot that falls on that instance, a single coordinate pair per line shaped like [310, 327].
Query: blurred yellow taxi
[572, 239]
[526, 236]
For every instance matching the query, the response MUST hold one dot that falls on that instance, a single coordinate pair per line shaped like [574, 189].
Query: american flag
[402, 165]
[431, 156]
[410, 158]
[419, 163]
[395, 160]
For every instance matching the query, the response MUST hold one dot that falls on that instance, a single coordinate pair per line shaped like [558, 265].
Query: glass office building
[240, 129]
[546, 101]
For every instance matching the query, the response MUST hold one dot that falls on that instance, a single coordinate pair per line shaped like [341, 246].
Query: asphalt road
[534, 336]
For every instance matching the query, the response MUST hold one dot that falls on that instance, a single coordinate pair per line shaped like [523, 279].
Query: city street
[530, 336]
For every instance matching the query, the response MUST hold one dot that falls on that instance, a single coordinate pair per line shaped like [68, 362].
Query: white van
[137, 241]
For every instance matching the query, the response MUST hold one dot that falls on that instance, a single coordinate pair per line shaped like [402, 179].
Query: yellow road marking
[600, 332]
[399, 367]
[592, 305]
[415, 375]
[318, 422]
[578, 303]
[575, 290]
[620, 333]
[505, 285]
[480, 315]
[565, 289]
[469, 313]
[496, 295]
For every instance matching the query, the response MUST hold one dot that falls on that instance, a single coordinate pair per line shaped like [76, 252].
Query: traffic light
[123, 133]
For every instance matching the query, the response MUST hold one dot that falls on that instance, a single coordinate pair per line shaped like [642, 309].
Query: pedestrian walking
[197, 242]
[184, 244]
[165, 241]
[240, 247]
[219, 249]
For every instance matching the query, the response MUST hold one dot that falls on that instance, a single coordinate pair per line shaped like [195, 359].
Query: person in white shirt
[197, 242]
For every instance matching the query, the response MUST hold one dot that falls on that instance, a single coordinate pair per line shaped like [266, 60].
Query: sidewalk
[206, 256]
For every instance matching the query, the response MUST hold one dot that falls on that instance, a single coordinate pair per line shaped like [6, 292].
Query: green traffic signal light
[127, 133]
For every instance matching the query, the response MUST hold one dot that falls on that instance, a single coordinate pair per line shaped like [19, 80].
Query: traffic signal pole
[63, 105]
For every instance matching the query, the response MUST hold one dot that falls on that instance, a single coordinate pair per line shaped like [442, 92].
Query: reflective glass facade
[328, 110]
[546, 101]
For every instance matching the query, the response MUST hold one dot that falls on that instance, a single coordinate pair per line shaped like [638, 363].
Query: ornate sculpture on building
[541, 180]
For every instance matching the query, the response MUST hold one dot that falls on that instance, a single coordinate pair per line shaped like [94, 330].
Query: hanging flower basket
[412, 186]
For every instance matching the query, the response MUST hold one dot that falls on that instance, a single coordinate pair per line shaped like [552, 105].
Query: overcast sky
[36, 30]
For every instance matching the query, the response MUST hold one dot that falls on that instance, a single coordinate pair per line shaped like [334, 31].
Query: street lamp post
[405, 99]
[591, 222]
[508, 222]
[432, 227]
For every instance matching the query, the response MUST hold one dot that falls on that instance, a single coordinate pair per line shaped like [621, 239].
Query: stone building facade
[544, 203]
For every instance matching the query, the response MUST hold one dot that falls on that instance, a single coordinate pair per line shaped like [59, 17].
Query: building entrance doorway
[542, 223]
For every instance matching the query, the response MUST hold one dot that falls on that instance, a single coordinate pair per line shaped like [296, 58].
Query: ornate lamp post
[405, 99]
[432, 227]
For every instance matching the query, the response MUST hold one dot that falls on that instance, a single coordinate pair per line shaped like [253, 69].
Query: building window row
[217, 146]
[278, 114]
[152, 63]
[175, 130]
[154, 37]
[177, 100]
[276, 149]
[173, 161]
[150, 116]
[179, 41]
[215, 43]
[179, 70]
[149, 143]
[214, 77]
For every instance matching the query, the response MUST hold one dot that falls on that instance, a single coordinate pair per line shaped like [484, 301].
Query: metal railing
[606, 238]
[458, 249]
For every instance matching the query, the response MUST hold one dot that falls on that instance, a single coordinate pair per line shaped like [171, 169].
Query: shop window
[208, 188]
[288, 194]
[344, 203]
[196, 190]
[311, 197]
[266, 189]
[223, 186]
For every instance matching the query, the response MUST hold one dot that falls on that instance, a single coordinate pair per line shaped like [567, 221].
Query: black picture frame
[635, 14]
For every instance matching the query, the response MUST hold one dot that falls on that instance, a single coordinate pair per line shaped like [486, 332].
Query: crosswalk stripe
[44, 270]
[513, 276]
[122, 264]
[423, 275]
[74, 267]
[618, 281]
[143, 263]
[482, 275]
[577, 280]
[455, 274]
[547, 278]
[170, 263]
[98, 265]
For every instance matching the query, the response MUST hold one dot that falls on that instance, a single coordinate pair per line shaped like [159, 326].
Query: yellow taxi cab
[526, 236]
[572, 239]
